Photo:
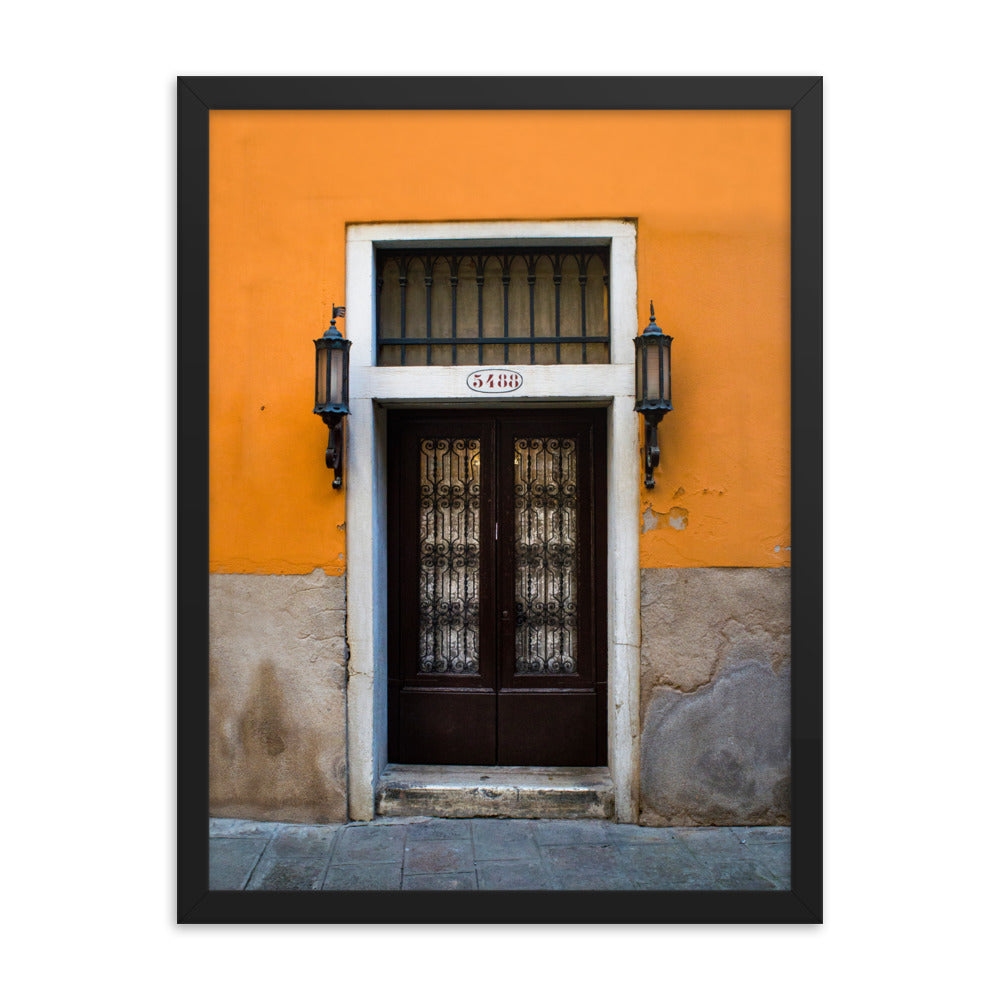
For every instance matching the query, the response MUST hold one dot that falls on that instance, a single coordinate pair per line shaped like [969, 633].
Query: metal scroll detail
[545, 555]
[449, 556]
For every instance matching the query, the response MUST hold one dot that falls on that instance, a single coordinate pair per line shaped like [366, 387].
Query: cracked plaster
[715, 696]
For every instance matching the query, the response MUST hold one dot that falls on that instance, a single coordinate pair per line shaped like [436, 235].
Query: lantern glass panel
[322, 376]
[654, 371]
[665, 354]
[336, 376]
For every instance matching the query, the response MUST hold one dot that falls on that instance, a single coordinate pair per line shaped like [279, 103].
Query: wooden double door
[497, 569]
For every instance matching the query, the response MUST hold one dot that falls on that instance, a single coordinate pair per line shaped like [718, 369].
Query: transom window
[537, 305]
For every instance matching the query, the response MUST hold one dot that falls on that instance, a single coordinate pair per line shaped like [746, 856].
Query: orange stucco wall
[710, 193]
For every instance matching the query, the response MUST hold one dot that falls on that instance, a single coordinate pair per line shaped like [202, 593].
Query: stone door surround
[374, 388]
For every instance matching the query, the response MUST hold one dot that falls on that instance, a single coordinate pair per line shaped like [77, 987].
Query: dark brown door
[497, 632]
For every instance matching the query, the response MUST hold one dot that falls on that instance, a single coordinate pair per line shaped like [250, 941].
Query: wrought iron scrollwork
[449, 555]
[545, 555]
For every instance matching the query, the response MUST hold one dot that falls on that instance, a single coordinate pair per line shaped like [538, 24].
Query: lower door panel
[547, 727]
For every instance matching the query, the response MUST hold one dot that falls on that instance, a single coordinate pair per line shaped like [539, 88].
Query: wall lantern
[652, 386]
[331, 390]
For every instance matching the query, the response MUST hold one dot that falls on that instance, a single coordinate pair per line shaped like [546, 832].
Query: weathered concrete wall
[277, 748]
[715, 696]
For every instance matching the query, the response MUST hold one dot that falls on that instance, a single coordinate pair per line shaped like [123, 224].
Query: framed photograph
[499, 499]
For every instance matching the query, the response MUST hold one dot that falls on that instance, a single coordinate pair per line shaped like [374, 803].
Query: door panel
[557, 728]
[448, 727]
[497, 625]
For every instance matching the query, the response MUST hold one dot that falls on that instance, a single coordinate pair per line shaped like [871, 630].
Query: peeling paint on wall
[698, 530]
[650, 520]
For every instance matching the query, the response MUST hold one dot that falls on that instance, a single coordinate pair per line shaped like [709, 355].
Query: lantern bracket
[335, 446]
[651, 450]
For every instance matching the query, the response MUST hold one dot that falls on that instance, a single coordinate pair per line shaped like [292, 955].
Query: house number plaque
[494, 380]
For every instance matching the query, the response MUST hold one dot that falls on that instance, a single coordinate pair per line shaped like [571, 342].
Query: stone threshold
[465, 792]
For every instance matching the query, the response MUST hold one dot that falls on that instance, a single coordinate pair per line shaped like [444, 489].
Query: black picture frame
[196, 97]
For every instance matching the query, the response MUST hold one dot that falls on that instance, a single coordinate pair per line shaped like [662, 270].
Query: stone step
[463, 792]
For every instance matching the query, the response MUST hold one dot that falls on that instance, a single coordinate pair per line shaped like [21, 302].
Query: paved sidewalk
[464, 854]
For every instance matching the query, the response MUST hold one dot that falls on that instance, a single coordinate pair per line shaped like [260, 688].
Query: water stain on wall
[262, 725]
[266, 732]
[276, 686]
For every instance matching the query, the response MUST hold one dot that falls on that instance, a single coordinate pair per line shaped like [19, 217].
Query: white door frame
[372, 387]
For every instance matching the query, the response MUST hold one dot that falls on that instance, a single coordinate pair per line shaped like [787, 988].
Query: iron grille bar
[557, 281]
[531, 303]
[480, 278]
[402, 311]
[453, 278]
[428, 281]
[505, 279]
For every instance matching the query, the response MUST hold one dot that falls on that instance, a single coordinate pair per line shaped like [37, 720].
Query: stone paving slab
[302, 842]
[289, 874]
[665, 866]
[495, 854]
[623, 833]
[438, 829]
[508, 875]
[707, 838]
[372, 844]
[776, 858]
[743, 873]
[364, 878]
[763, 834]
[586, 866]
[231, 860]
[503, 839]
[241, 828]
[569, 832]
[461, 880]
[428, 857]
